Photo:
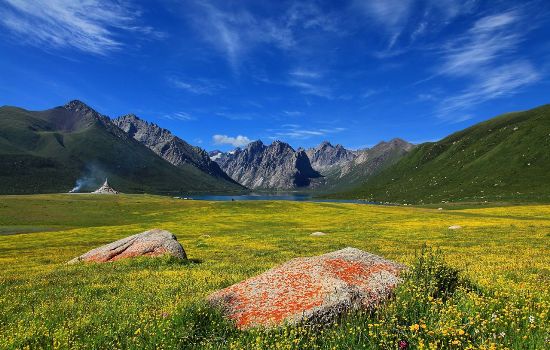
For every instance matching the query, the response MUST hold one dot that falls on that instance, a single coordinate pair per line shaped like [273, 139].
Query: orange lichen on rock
[309, 289]
[356, 272]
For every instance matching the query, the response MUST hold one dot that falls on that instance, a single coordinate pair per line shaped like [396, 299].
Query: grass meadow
[484, 286]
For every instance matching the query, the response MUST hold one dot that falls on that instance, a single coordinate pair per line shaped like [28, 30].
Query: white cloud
[486, 55]
[489, 38]
[92, 26]
[309, 16]
[304, 73]
[426, 97]
[311, 88]
[295, 131]
[293, 113]
[449, 9]
[179, 116]
[392, 15]
[370, 92]
[499, 82]
[403, 22]
[238, 141]
[309, 83]
[197, 86]
[237, 116]
[234, 31]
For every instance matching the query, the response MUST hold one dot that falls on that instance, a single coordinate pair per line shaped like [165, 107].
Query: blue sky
[222, 73]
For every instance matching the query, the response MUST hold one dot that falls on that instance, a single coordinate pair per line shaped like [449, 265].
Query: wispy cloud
[489, 39]
[197, 86]
[499, 82]
[292, 113]
[426, 97]
[308, 15]
[237, 141]
[403, 22]
[304, 73]
[311, 88]
[179, 116]
[309, 82]
[392, 15]
[295, 131]
[371, 92]
[237, 115]
[92, 26]
[486, 55]
[235, 31]
[449, 9]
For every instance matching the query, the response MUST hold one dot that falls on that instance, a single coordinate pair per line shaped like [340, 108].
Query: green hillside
[506, 158]
[376, 159]
[48, 151]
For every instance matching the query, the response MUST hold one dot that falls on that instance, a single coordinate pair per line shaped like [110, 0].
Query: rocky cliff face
[168, 146]
[277, 166]
[326, 157]
[369, 161]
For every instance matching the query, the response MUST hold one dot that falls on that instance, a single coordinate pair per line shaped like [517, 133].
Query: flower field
[484, 286]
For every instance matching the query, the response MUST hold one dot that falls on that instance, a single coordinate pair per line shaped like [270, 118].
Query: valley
[502, 251]
[504, 159]
[274, 175]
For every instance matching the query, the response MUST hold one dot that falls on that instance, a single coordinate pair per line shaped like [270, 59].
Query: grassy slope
[358, 173]
[158, 303]
[489, 161]
[35, 157]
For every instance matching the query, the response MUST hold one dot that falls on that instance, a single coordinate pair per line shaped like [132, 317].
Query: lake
[298, 197]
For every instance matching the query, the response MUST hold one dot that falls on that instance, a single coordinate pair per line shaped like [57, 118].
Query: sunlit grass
[503, 252]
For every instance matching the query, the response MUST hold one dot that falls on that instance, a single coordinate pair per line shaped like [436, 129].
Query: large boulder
[311, 290]
[151, 243]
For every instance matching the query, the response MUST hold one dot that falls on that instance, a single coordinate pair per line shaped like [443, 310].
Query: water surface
[297, 197]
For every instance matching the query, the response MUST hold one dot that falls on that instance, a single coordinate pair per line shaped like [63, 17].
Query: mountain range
[75, 146]
[168, 146]
[506, 158]
[321, 169]
[277, 166]
[326, 157]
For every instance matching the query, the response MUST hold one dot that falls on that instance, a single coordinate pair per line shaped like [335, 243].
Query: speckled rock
[150, 243]
[311, 290]
[318, 233]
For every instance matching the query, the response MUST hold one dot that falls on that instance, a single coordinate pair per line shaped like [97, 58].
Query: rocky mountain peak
[371, 160]
[76, 115]
[276, 166]
[395, 143]
[132, 118]
[77, 105]
[255, 145]
[326, 157]
[168, 146]
[281, 146]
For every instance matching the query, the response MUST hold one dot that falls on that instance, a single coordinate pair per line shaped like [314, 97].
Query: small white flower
[531, 319]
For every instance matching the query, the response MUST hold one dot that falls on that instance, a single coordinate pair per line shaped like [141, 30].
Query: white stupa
[105, 189]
